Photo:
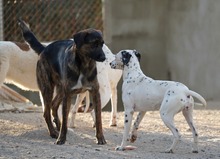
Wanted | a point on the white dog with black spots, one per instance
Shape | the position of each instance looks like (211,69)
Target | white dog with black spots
(141,93)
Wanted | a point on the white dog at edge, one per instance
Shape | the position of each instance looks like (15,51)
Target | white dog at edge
(108,79)
(18,66)
(142,93)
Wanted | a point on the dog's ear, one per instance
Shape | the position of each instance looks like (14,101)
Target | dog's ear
(125,57)
(79,39)
(99,31)
(138,55)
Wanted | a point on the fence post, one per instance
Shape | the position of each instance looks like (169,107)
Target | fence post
(1,20)
(107,21)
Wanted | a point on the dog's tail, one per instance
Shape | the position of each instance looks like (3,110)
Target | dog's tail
(198,96)
(30,38)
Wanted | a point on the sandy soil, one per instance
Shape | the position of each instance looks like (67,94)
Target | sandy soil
(24,135)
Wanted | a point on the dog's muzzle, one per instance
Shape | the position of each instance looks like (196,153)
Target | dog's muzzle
(112,64)
(101,58)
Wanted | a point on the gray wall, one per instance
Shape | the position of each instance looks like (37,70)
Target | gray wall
(193,44)
(179,39)
(138,25)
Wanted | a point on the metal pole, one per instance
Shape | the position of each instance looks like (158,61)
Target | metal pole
(1,20)
(107,21)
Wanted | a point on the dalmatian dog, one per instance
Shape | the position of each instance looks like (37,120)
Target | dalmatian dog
(108,79)
(141,93)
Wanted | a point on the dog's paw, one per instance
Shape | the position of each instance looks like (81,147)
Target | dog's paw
(119,148)
(133,138)
(60,142)
(113,125)
(113,122)
(54,134)
(195,151)
(169,151)
(101,141)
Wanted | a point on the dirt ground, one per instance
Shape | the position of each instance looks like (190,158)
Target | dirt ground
(24,135)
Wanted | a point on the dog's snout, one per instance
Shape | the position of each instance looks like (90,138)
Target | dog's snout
(102,58)
(112,64)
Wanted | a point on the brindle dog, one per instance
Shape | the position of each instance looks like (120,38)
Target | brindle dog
(67,67)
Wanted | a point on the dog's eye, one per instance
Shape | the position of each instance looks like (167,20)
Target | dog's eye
(95,44)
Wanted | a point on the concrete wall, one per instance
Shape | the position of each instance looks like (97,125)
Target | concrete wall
(179,39)
(138,25)
(193,44)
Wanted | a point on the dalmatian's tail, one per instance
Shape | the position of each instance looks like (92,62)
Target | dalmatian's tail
(198,96)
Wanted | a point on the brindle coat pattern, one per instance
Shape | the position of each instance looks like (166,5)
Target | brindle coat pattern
(67,67)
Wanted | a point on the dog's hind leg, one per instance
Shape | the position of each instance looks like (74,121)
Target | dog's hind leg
(168,120)
(46,88)
(47,98)
(113,121)
(136,125)
(65,112)
(188,114)
(55,105)
(167,111)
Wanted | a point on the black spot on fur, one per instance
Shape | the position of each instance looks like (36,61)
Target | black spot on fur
(125,57)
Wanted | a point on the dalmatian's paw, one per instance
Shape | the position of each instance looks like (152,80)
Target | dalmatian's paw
(119,148)
(169,151)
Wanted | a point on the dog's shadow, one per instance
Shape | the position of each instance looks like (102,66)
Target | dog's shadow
(73,137)
(79,134)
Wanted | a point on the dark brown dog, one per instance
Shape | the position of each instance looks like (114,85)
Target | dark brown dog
(67,67)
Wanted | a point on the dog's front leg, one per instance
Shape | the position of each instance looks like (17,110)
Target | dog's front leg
(127,125)
(98,118)
(65,112)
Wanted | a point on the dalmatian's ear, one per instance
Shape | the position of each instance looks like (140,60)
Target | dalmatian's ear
(138,55)
(125,57)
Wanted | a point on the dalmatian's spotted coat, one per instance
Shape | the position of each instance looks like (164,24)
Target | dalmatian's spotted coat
(141,93)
